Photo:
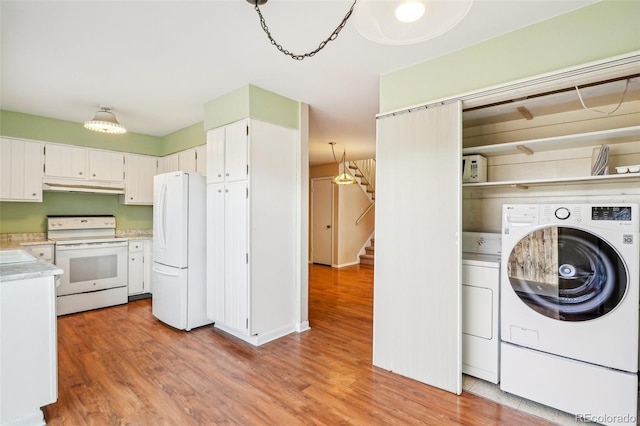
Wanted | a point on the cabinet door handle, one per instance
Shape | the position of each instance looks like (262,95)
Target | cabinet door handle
(80,173)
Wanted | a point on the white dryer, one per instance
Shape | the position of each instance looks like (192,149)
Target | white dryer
(481,305)
(569,308)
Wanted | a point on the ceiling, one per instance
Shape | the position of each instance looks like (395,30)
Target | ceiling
(156,63)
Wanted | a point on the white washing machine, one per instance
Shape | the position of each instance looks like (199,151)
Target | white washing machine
(481,305)
(569,307)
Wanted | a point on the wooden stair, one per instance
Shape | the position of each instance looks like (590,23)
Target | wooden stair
(368,257)
(368,186)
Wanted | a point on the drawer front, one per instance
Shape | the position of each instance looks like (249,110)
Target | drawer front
(136,246)
(44,252)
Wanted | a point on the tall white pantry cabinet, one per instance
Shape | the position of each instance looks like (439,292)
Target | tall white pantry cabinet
(252,175)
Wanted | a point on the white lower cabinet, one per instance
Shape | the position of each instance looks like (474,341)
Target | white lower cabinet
(28,354)
(139,267)
(251,239)
(229,255)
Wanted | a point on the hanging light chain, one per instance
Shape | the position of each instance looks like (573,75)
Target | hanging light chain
(321,46)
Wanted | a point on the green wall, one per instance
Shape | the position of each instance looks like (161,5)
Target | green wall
(182,139)
(602,30)
(26,126)
(252,102)
(32,217)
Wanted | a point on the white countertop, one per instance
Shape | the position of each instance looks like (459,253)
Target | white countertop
(24,270)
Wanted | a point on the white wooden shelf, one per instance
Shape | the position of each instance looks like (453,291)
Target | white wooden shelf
(620,135)
(524,184)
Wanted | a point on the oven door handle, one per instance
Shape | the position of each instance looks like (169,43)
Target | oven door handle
(90,246)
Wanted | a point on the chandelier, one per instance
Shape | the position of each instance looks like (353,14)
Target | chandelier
(344,178)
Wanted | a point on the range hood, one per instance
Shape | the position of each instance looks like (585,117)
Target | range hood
(75,185)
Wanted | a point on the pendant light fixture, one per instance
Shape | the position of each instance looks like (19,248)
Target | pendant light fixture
(105,121)
(344,178)
(399,22)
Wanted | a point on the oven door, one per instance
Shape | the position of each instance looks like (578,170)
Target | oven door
(91,266)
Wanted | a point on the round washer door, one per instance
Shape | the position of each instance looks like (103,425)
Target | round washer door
(567,274)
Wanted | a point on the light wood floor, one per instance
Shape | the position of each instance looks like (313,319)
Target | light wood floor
(120,366)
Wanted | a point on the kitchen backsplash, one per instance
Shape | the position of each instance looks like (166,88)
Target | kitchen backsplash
(27,237)
(32,237)
(134,233)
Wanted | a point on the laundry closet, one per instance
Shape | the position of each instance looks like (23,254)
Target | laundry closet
(539,140)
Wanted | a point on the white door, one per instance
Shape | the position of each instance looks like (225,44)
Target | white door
(136,265)
(417,279)
(215,252)
(236,152)
(169,303)
(21,170)
(187,160)
(65,161)
(170,219)
(321,220)
(215,155)
(201,159)
(140,170)
(168,163)
(106,165)
(236,266)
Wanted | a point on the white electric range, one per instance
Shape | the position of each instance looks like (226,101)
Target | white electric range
(93,259)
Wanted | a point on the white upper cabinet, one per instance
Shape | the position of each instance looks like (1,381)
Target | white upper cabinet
(169,163)
(106,165)
(227,153)
(20,170)
(215,155)
(187,160)
(65,161)
(236,151)
(139,173)
(201,159)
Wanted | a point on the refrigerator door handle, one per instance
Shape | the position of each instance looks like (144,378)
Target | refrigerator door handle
(167,273)
(163,214)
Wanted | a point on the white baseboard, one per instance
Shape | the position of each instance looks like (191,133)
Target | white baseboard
(258,339)
(303,326)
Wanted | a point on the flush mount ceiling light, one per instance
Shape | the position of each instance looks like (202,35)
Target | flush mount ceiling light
(296,56)
(105,122)
(398,22)
(344,178)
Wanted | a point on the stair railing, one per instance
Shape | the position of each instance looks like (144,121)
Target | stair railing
(364,213)
(366,169)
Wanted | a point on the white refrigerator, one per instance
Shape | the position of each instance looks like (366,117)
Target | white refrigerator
(178,278)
